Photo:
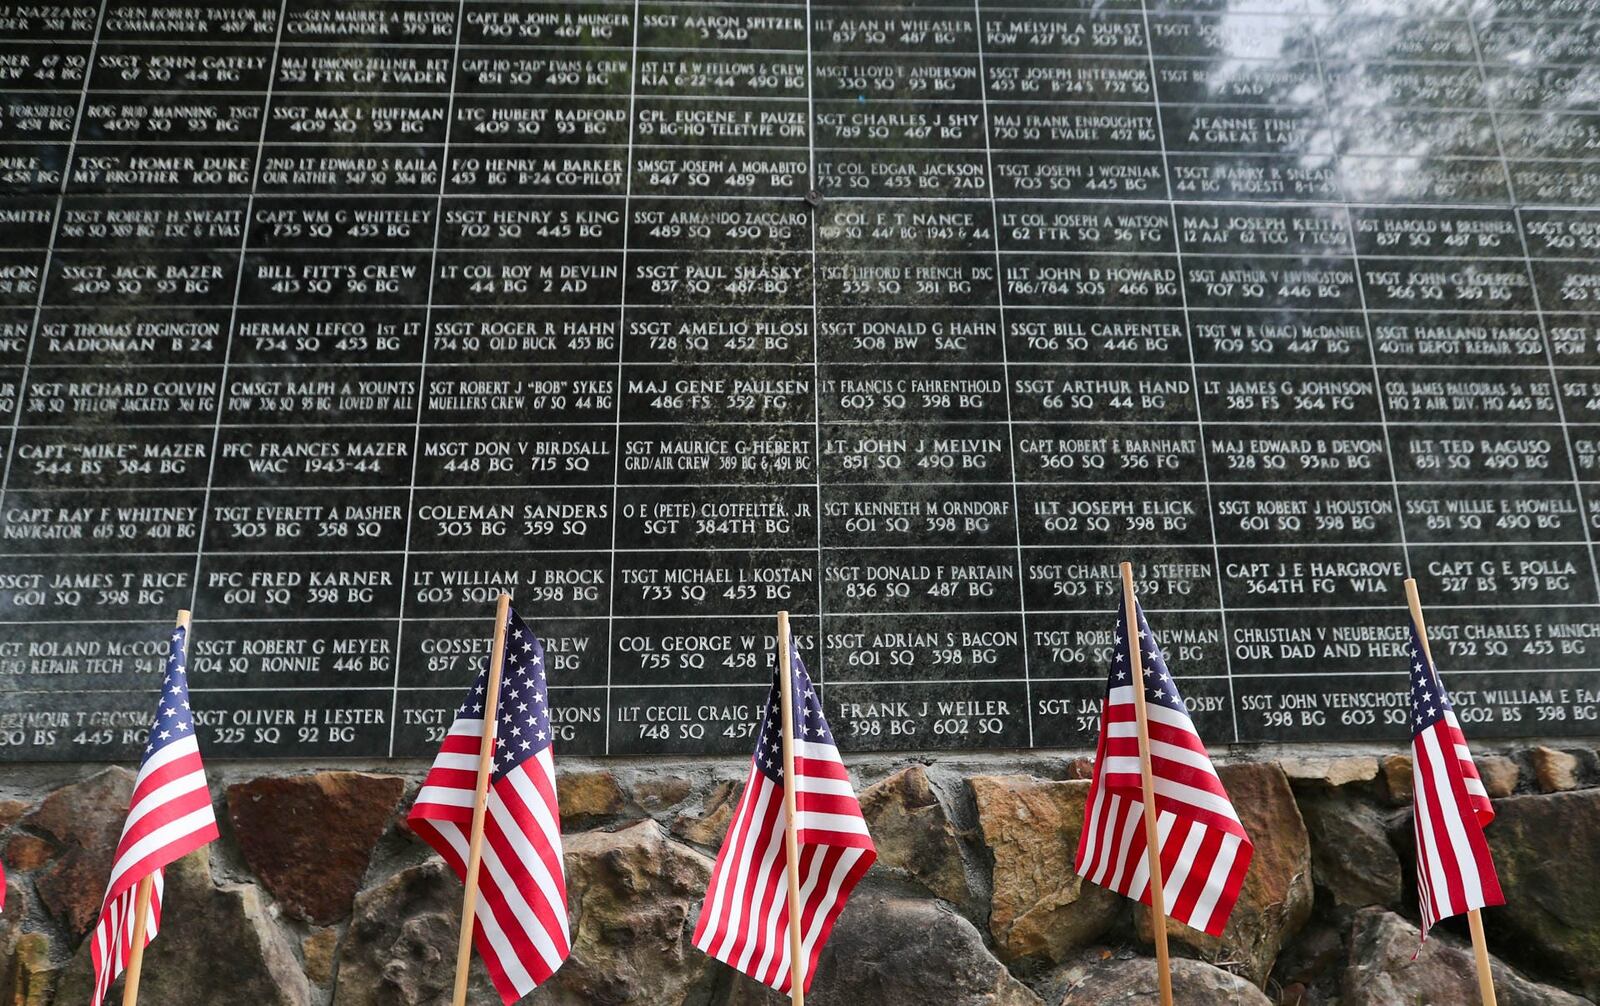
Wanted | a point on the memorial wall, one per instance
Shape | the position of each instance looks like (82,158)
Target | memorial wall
(333,320)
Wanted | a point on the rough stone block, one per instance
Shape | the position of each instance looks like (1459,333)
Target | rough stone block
(1040,907)
(310,838)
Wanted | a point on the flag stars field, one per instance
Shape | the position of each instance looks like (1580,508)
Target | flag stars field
(1455,872)
(520,925)
(1204,850)
(744,921)
(169,816)
(1449,807)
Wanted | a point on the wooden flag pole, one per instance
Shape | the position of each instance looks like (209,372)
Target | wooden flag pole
(1480,945)
(141,912)
(1480,953)
(141,905)
(480,803)
(791,843)
(1152,840)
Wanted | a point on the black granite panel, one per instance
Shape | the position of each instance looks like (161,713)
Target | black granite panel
(333,320)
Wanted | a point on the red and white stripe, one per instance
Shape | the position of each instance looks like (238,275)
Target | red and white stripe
(744,921)
(1204,849)
(1455,872)
(169,817)
(521,929)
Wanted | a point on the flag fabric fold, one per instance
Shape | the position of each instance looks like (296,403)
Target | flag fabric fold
(744,921)
(1455,872)
(520,929)
(169,816)
(1205,852)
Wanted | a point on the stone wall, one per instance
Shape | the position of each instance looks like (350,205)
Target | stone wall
(318,894)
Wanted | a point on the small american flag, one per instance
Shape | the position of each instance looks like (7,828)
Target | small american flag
(745,918)
(521,916)
(1455,872)
(1204,849)
(169,817)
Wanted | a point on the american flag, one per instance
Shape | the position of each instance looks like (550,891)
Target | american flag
(1455,872)
(1204,849)
(521,917)
(169,817)
(745,918)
